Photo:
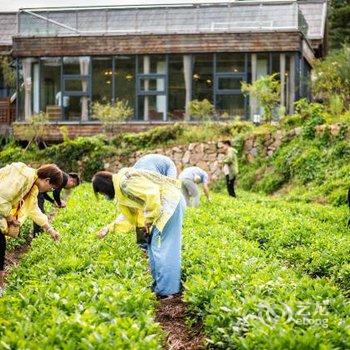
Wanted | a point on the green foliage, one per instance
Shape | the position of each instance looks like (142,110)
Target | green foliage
(8,73)
(336,105)
(154,137)
(292,121)
(65,133)
(314,166)
(309,130)
(241,127)
(10,153)
(86,154)
(82,293)
(202,110)
(266,90)
(331,78)
(260,273)
(35,128)
(308,110)
(89,152)
(270,183)
(339,23)
(111,114)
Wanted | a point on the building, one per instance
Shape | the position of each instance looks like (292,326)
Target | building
(159,58)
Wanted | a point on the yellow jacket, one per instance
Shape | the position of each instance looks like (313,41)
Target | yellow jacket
(144,197)
(17,187)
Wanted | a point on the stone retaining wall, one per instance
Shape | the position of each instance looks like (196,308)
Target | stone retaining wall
(208,155)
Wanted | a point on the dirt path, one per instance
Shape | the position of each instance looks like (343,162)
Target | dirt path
(172,315)
(13,257)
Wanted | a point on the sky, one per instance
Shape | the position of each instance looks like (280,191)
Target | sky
(14,5)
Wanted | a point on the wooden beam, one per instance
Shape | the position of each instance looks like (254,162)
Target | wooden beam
(152,44)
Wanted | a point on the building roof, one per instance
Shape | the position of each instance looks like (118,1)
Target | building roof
(8,27)
(315,14)
(242,16)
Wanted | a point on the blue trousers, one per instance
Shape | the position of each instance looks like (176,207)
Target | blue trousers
(164,254)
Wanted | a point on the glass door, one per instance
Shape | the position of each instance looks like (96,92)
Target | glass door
(76,92)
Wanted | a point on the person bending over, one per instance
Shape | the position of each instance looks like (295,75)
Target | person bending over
(191,177)
(153,203)
(158,163)
(19,189)
(70,181)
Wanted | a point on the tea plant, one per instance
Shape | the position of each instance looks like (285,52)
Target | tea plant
(251,266)
(82,293)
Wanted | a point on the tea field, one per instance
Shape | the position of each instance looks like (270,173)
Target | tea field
(259,273)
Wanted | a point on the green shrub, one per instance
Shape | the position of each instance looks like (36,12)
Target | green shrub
(82,293)
(270,183)
(292,121)
(260,273)
(151,138)
(332,79)
(267,91)
(112,114)
(202,110)
(82,153)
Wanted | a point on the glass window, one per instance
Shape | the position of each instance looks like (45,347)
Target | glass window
(73,107)
(305,79)
(230,62)
(202,77)
(152,84)
(275,63)
(152,64)
(102,76)
(124,79)
(229,83)
(179,85)
(262,66)
(76,85)
(152,107)
(228,106)
(50,87)
(76,65)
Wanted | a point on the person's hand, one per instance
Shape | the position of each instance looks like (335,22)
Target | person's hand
(63,204)
(102,233)
(55,235)
(11,220)
(148,228)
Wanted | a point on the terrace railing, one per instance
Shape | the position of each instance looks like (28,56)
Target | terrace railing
(239,16)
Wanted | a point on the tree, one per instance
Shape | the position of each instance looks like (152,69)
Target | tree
(34,130)
(267,91)
(8,72)
(202,110)
(339,19)
(112,114)
(331,77)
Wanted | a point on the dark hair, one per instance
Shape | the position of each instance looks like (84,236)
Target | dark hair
(227,142)
(76,177)
(51,172)
(102,183)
